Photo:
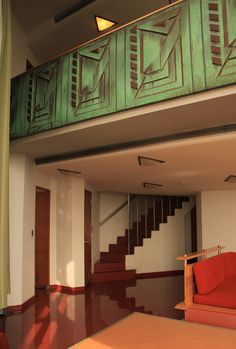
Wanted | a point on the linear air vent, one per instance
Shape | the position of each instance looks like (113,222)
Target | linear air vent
(71,10)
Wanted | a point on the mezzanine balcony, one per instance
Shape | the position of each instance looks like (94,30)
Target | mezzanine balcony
(186,48)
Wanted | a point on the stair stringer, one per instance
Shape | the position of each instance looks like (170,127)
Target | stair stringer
(159,252)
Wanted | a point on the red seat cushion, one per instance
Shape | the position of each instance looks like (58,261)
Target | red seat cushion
(222,296)
(229,264)
(209,273)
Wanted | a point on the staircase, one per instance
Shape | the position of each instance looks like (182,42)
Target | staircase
(112,264)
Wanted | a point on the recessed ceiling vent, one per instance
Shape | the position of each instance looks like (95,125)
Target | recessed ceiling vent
(71,10)
(144,161)
(148,185)
(68,172)
(231,179)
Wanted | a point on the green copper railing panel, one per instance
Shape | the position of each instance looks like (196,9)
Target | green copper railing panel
(219,28)
(158,57)
(19,88)
(43,83)
(186,48)
(91,80)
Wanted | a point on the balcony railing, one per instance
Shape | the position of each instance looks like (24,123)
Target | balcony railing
(185,48)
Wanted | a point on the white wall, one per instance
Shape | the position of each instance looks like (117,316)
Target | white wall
(67,231)
(20,50)
(117,224)
(160,251)
(218,219)
(16,195)
(22,213)
(28,266)
(66,228)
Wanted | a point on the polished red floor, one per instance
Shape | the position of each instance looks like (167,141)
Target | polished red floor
(58,321)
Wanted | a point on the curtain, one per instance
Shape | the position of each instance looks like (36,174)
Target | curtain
(5,73)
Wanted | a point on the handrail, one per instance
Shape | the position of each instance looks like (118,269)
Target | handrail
(116,211)
(76,47)
(203,253)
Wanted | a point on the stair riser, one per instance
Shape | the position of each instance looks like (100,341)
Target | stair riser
(119,275)
(118,249)
(106,267)
(122,240)
(111,257)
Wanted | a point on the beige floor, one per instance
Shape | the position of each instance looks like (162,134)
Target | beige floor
(142,331)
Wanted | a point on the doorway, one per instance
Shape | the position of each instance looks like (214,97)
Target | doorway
(42,231)
(87,236)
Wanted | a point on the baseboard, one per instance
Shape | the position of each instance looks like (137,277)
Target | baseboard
(20,308)
(159,274)
(66,289)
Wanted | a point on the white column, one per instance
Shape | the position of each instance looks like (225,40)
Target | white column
(22,221)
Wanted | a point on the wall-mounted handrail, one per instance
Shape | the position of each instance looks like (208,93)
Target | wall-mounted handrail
(113,213)
(202,253)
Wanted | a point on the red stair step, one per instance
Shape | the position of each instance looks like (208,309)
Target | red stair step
(118,248)
(112,257)
(105,267)
(122,240)
(112,276)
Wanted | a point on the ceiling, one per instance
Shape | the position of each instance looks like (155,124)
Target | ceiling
(190,166)
(47,39)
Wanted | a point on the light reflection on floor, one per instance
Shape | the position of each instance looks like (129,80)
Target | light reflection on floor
(57,321)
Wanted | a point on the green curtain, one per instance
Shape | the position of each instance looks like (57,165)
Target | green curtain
(5,74)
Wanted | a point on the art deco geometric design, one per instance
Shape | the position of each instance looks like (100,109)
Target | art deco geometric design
(158,49)
(14,104)
(91,71)
(220,24)
(183,49)
(42,95)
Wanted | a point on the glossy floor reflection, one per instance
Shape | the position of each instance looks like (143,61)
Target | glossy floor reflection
(57,321)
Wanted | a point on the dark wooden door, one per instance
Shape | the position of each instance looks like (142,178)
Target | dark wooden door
(194,229)
(42,227)
(87,235)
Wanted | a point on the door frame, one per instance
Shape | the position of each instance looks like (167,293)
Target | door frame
(39,188)
(87,281)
